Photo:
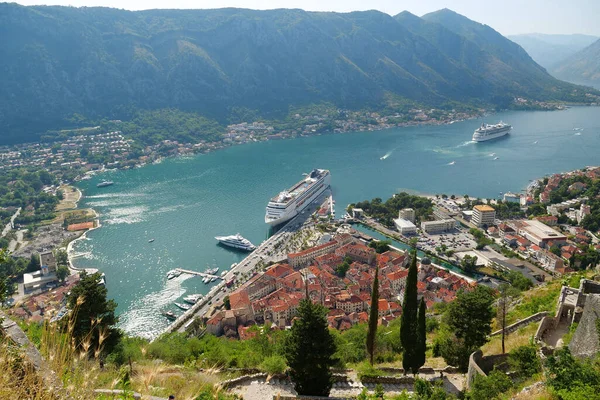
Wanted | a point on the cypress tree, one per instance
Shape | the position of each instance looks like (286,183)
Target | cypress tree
(309,351)
(373,317)
(408,324)
(421,337)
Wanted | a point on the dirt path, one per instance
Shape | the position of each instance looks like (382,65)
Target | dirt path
(10,224)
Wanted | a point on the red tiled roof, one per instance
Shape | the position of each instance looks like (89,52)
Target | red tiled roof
(239,299)
(312,249)
(279,270)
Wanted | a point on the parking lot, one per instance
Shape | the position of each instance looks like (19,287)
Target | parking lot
(456,240)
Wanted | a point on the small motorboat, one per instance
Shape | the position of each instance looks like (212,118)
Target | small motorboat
(151,240)
(170,315)
(173,274)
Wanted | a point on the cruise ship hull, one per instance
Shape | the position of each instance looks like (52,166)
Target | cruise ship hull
(298,205)
(492,136)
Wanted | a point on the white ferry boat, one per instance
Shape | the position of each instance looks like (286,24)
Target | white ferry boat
(287,204)
(488,132)
(236,241)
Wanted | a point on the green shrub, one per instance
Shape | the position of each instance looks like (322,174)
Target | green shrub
(525,361)
(366,370)
(489,387)
(274,365)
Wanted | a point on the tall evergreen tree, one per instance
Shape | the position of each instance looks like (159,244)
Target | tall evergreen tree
(373,317)
(309,351)
(408,321)
(94,317)
(421,337)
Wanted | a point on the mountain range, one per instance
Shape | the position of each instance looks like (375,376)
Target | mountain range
(550,50)
(582,68)
(107,63)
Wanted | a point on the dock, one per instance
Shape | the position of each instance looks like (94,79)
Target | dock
(248,265)
(202,274)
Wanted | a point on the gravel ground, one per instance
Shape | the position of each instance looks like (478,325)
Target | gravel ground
(262,390)
(46,238)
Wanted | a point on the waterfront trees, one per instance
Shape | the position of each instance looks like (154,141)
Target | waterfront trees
(380,246)
(373,317)
(386,211)
(310,349)
(408,323)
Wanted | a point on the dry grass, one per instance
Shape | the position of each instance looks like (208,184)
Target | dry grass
(70,198)
(521,337)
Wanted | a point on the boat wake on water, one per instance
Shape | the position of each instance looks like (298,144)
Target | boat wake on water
(451,163)
(466,143)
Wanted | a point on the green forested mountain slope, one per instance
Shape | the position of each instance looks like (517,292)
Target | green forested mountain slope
(106,63)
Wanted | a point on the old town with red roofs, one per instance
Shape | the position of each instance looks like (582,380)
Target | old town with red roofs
(273,296)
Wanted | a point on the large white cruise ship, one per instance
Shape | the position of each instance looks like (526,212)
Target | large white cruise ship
(236,241)
(287,204)
(489,132)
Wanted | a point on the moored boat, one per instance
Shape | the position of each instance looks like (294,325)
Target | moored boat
(170,315)
(184,307)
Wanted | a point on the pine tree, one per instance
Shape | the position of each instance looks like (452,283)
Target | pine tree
(421,337)
(373,317)
(408,324)
(94,317)
(309,351)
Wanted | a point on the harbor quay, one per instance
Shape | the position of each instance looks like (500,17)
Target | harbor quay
(269,251)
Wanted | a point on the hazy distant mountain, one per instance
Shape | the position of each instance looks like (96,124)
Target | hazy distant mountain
(101,62)
(549,50)
(583,67)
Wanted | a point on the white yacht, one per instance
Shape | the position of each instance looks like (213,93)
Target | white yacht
(287,204)
(236,241)
(183,306)
(192,298)
(488,132)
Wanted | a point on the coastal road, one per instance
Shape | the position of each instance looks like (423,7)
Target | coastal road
(265,253)
(11,223)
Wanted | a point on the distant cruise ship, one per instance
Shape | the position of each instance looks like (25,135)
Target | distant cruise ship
(489,132)
(287,204)
(236,241)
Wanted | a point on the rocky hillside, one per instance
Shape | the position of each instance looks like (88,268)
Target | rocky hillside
(583,67)
(549,50)
(61,63)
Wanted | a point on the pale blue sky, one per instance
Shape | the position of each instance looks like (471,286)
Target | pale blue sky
(506,16)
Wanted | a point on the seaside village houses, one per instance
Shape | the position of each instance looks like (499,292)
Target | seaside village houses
(273,297)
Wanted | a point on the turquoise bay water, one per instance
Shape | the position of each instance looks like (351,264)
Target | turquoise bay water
(183,203)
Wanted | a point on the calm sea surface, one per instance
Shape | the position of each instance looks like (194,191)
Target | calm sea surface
(183,203)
